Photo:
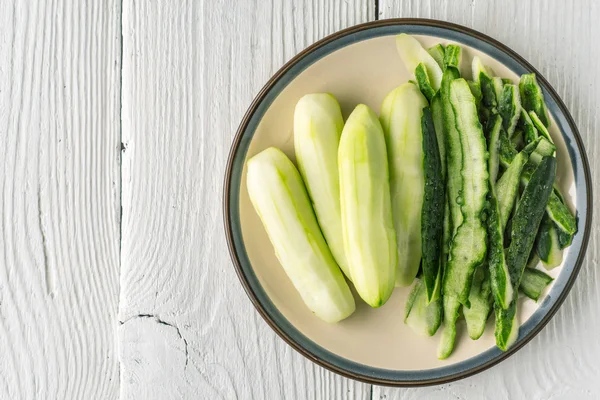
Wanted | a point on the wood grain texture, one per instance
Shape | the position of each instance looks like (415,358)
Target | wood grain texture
(558,38)
(59,180)
(190,70)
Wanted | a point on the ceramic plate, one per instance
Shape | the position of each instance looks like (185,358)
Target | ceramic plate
(361,65)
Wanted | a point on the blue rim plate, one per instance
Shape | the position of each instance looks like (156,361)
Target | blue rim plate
(233,176)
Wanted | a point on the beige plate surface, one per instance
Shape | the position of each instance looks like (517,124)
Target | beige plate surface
(363,72)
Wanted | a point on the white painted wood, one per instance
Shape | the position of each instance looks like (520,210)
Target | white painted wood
(558,38)
(59,181)
(190,70)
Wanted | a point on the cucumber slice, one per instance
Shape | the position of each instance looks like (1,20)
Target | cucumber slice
(368,231)
(423,82)
(534,282)
(318,124)
(547,245)
(412,54)
(509,108)
(525,224)
(401,121)
(422,317)
(481,303)
(532,97)
(451,312)
(469,247)
(281,201)
(452,56)
(433,209)
(437,52)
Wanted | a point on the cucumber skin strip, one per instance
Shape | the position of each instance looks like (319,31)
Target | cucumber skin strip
(423,81)
(469,247)
(432,211)
(507,186)
(526,222)
(424,319)
(534,282)
(451,307)
(532,97)
(453,150)
(437,113)
(481,303)
(501,285)
(509,108)
(452,56)
(437,52)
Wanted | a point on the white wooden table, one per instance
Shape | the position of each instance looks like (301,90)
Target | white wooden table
(116,118)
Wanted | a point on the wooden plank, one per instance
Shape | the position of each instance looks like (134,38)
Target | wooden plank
(60,185)
(558,38)
(190,70)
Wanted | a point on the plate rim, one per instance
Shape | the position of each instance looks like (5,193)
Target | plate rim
(257,101)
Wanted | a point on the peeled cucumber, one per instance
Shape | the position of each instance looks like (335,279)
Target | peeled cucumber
(401,121)
(367,224)
(318,125)
(281,201)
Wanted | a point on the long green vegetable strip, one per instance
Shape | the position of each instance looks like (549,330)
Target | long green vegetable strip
(281,201)
(453,150)
(432,211)
(507,187)
(525,223)
(468,248)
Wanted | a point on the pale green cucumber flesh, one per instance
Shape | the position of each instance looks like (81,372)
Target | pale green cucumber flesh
(282,203)
(318,124)
(367,224)
(401,121)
